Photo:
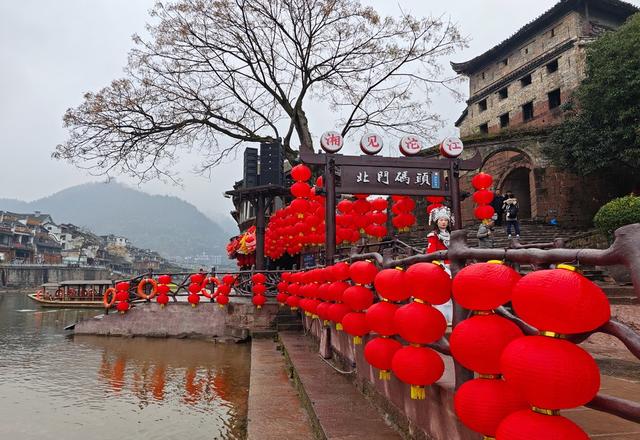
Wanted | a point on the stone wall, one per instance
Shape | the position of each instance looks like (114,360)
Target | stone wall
(35,275)
(432,418)
(208,320)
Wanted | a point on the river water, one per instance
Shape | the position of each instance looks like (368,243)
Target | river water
(57,386)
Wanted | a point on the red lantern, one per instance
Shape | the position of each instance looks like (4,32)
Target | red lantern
(478,342)
(379,353)
(282,286)
(193,299)
(482,404)
(224,289)
(258,278)
(162,299)
(164,279)
(358,298)
(323,311)
(550,373)
(293,302)
(345,206)
(482,197)
(428,282)
(484,286)
(197,278)
(419,323)
(223,300)
(335,290)
(380,318)
(528,425)
(340,271)
(418,367)
(435,199)
(122,295)
(123,285)
(482,181)
(379,204)
(300,173)
(355,324)
(163,289)
(259,289)
(561,301)
(281,297)
(363,272)
(122,306)
(391,284)
(195,287)
(337,312)
(483,212)
(259,301)
(228,279)
(300,189)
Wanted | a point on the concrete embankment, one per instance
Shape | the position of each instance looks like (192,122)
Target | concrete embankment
(238,320)
(31,275)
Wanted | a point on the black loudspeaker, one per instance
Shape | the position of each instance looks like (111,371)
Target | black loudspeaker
(271,164)
(250,173)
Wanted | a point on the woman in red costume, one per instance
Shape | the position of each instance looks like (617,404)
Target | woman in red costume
(438,239)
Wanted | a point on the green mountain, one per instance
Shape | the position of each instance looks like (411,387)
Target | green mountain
(165,224)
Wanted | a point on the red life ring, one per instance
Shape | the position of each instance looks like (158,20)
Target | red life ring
(105,298)
(39,294)
(206,282)
(143,283)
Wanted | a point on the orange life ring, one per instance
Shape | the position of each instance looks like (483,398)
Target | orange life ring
(206,282)
(143,283)
(105,297)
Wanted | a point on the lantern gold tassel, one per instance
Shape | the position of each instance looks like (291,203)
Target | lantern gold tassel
(485,437)
(162,306)
(338,326)
(384,375)
(418,392)
(193,305)
(357,340)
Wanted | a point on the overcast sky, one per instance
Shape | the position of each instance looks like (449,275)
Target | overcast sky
(53,51)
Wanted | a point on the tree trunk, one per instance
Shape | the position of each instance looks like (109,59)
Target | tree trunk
(302,128)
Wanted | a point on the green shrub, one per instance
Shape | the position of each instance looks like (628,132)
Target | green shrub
(617,213)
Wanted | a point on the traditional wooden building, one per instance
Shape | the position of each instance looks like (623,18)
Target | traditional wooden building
(516,92)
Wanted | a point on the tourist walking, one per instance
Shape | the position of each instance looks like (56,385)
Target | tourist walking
(510,208)
(485,233)
(496,204)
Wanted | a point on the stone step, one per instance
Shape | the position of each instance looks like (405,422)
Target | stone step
(275,411)
(337,410)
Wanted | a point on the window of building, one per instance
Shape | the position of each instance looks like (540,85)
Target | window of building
(527,111)
(504,62)
(525,81)
(552,33)
(484,128)
(552,66)
(503,93)
(483,75)
(554,99)
(482,105)
(504,120)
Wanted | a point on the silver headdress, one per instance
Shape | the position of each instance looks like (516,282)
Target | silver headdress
(441,212)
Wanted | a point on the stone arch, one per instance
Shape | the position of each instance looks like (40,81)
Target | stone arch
(513,167)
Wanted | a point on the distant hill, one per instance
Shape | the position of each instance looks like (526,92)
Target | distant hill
(165,224)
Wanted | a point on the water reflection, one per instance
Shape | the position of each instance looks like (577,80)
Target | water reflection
(102,388)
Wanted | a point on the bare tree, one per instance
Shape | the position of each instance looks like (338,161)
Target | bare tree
(243,70)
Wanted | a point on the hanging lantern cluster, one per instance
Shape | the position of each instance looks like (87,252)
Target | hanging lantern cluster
(402,209)
(301,223)
(122,297)
(258,289)
(347,231)
(195,288)
(419,323)
(434,202)
(224,290)
(483,196)
(477,344)
(550,372)
(163,290)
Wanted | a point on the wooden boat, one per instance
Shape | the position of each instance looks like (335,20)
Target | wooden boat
(74,293)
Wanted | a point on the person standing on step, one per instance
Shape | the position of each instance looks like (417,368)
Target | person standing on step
(485,231)
(510,208)
(496,204)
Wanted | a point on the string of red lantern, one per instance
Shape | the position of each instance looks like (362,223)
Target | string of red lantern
(483,196)
(478,342)
(258,289)
(402,210)
(163,290)
(224,290)
(550,372)
(122,297)
(195,288)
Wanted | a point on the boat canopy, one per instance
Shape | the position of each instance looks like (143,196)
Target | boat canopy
(50,285)
(86,283)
